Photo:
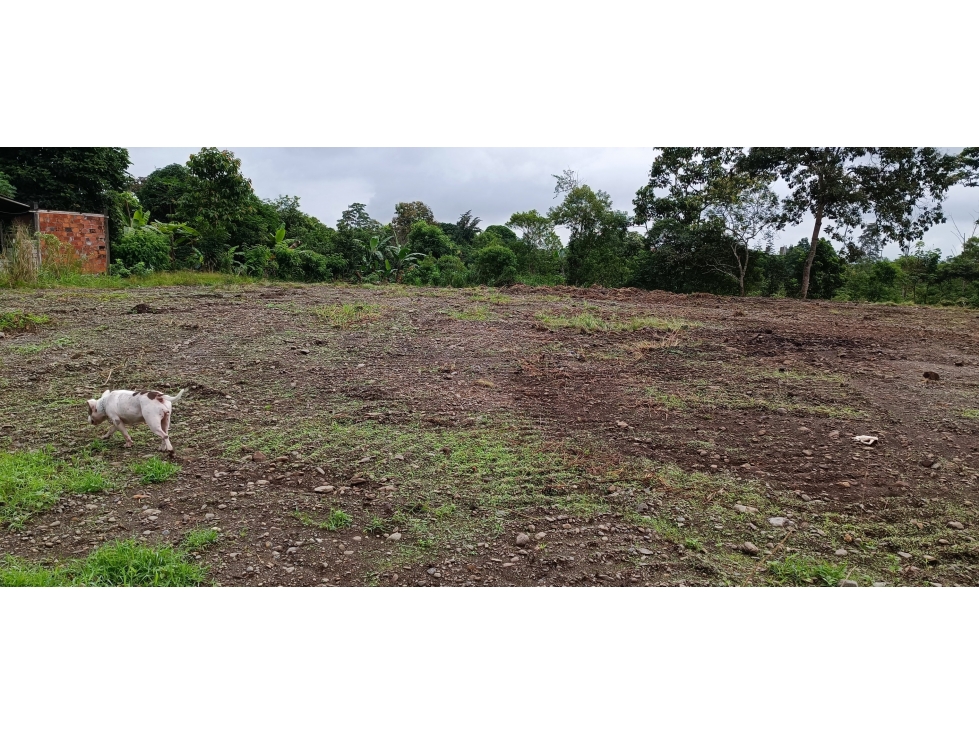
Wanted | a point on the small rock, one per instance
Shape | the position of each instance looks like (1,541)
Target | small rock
(905,556)
(259,456)
(779,521)
(848,583)
(750,548)
(841,552)
(781,411)
(834,434)
(522,539)
(645,551)
(933,376)
(262,482)
(956,525)
(540,536)
(209,516)
(394,536)
(323,488)
(304,351)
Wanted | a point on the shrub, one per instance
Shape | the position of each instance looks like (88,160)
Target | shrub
(145,246)
(306,265)
(452,271)
(496,265)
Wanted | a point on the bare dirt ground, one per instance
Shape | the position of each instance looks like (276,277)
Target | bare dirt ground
(524,436)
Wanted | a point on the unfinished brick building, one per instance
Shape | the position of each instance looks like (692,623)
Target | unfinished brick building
(85,233)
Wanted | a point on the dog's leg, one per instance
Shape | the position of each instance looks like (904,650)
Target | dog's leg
(120,426)
(157,424)
(108,434)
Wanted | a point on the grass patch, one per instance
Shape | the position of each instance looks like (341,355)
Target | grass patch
(345,315)
(798,570)
(337,520)
(971,413)
(453,485)
(118,563)
(33,481)
(476,313)
(200,538)
(15,321)
(589,322)
(154,470)
(496,298)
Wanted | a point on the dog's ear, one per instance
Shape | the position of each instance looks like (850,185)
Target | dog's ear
(91,406)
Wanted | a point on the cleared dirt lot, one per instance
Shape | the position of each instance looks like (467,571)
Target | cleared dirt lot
(628,437)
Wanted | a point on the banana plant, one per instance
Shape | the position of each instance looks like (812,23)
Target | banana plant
(279,238)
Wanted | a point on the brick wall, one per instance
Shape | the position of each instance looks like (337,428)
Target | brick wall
(85,232)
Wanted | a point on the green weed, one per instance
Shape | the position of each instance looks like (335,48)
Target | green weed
(14,321)
(345,315)
(797,570)
(200,538)
(118,563)
(337,520)
(33,481)
(154,470)
(477,313)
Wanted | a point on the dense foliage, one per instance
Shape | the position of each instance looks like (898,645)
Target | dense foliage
(704,222)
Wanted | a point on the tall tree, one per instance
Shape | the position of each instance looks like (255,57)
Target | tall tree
(7,189)
(161,191)
(747,211)
(902,187)
(406,213)
(71,179)
(599,248)
(690,203)
(218,192)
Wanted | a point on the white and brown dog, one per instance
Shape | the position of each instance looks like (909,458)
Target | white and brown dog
(129,408)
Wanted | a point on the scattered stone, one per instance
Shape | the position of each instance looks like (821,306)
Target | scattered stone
(905,556)
(262,482)
(781,411)
(751,548)
(540,536)
(746,509)
(323,488)
(779,521)
(956,525)
(394,536)
(935,584)
(848,583)
(259,456)
(645,551)
(302,351)
(834,434)
(209,516)
(881,584)
(841,552)
(933,376)
(522,539)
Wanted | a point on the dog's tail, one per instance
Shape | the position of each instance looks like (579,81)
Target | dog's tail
(177,397)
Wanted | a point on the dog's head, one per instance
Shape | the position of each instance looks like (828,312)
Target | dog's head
(95,414)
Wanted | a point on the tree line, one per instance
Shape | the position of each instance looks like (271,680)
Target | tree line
(704,222)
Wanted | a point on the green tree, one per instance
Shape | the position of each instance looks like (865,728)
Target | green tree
(161,191)
(429,239)
(599,250)
(7,189)
(689,206)
(496,265)
(902,187)
(70,179)
(406,214)
(218,193)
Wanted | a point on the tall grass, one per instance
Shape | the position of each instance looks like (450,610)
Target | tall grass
(20,262)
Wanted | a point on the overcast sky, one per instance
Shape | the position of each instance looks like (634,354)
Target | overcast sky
(492,182)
